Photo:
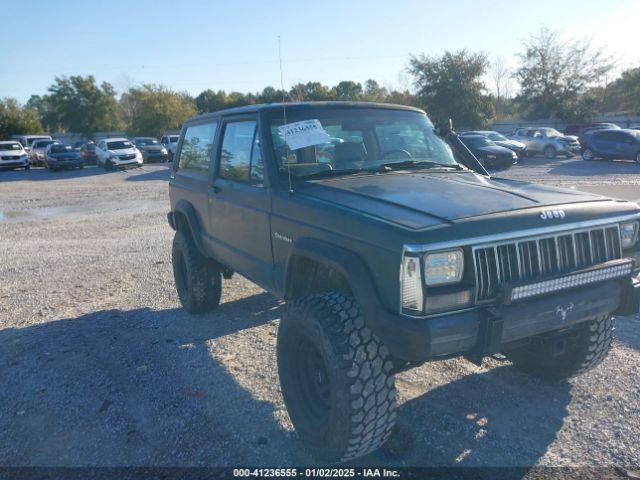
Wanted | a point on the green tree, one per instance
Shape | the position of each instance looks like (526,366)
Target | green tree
(451,86)
(554,74)
(15,118)
(153,109)
(347,90)
(83,106)
(373,92)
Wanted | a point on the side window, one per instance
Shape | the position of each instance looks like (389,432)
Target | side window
(196,147)
(240,157)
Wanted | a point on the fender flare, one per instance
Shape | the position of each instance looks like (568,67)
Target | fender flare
(185,208)
(348,264)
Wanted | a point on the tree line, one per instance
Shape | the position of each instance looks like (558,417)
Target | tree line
(554,78)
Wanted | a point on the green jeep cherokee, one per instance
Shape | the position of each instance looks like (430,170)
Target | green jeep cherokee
(391,246)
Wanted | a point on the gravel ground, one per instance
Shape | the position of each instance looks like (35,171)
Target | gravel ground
(100,366)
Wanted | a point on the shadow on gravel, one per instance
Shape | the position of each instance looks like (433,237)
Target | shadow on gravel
(139,387)
(497,418)
(594,168)
(628,331)
(43,174)
(160,174)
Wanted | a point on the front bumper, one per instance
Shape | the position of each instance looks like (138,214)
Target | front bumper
(64,163)
(155,156)
(14,163)
(483,331)
(127,163)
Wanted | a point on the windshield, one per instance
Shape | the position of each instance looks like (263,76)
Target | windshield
(10,146)
(496,137)
(354,139)
(552,132)
(119,145)
(147,141)
(60,149)
(42,143)
(31,141)
(174,138)
(477,141)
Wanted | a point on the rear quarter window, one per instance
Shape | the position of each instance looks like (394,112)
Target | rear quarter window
(197,147)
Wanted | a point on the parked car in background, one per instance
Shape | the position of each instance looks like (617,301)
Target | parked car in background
(547,141)
(170,142)
(37,153)
(88,153)
(152,150)
(623,144)
(59,156)
(492,156)
(27,140)
(500,140)
(117,152)
(578,128)
(13,155)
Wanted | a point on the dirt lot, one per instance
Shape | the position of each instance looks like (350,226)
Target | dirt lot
(100,365)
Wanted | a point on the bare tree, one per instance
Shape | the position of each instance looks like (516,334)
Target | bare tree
(501,75)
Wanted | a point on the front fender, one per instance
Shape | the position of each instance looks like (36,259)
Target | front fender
(188,212)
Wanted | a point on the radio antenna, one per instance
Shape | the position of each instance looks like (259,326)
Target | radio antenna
(284,114)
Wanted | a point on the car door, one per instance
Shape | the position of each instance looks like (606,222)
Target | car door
(240,202)
(623,146)
(603,143)
(192,171)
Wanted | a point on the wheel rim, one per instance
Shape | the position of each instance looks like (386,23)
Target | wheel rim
(587,154)
(549,152)
(313,384)
(638,158)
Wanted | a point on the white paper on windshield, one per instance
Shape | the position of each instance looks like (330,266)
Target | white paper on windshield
(303,134)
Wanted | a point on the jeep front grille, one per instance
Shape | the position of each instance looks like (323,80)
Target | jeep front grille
(529,259)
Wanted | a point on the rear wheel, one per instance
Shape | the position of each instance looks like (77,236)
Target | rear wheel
(335,376)
(198,282)
(638,158)
(587,154)
(557,357)
(550,152)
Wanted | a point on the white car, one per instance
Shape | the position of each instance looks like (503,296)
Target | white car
(13,155)
(37,152)
(170,142)
(27,140)
(117,152)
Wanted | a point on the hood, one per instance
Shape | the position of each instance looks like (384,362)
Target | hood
(124,151)
(568,138)
(420,199)
(510,143)
(151,148)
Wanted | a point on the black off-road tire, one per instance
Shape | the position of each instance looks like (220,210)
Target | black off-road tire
(198,282)
(352,411)
(585,348)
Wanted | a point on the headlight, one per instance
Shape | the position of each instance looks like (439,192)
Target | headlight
(443,267)
(491,157)
(163,151)
(114,157)
(628,234)
(411,284)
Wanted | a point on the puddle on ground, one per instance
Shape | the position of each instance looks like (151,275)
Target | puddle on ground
(43,213)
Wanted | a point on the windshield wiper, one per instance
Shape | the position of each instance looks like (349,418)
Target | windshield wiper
(421,163)
(344,171)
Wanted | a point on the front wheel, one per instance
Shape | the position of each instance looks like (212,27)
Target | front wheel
(28,167)
(198,282)
(336,377)
(587,155)
(558,357)
(638,158)
(550,152)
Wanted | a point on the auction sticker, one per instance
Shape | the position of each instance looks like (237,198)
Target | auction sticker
(303,134)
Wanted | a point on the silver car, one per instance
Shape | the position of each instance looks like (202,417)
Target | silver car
(548,141)
(37,153)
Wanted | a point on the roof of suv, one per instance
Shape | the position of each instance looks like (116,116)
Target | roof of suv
(294,105)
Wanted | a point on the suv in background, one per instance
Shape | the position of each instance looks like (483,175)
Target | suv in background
(170,142)
(117,152)
(37,153)
(391,246)
(620,144)
(151,149)
(547,141)
(13,155)
(578,129)
(27,140)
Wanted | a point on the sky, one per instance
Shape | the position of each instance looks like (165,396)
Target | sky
(192,45)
